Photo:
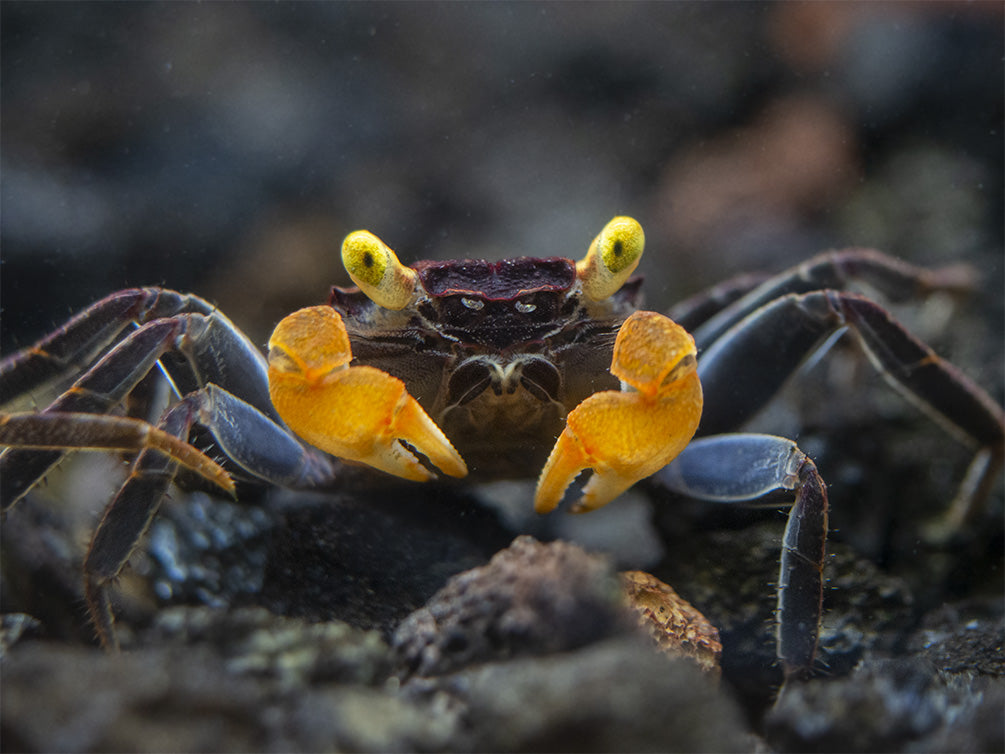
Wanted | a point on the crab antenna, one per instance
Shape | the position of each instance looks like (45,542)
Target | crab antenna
(612,257)
(376,270)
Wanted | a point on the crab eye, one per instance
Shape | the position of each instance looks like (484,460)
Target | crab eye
(376,270)
(613,256)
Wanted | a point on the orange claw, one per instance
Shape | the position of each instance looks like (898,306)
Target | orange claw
(357,413)
(626,436)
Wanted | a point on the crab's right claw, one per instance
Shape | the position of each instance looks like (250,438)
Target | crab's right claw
(357,413)
(626,436)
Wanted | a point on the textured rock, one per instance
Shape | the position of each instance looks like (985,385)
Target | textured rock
(616,695)
(531,598)
(291,651)
(890,705)
(209,680)
(963,638)
(674,624)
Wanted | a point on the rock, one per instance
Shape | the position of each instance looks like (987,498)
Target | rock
(963,638)
(253,641)
(674,624)
(66,698)
(730,576)
(616,695)
(211,680)
(531,598)
(889,705)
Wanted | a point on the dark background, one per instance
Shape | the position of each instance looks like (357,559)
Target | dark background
(226,149)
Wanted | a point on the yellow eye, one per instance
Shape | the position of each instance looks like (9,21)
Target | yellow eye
(612,257)
(376,270)
(365,257)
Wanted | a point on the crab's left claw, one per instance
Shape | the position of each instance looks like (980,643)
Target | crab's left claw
(357,413)
(626,436)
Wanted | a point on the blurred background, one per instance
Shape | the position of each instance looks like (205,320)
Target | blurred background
(226,149)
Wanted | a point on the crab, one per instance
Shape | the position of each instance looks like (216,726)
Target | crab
(488,370)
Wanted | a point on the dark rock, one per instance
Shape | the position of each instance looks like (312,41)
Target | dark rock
(208,697)
(42,571)
(865,609)
(64,698)
(14,627)
(730,575)
(888,705)
(531,598)
(615,695)
(208,551)
(963,638)
(297,654)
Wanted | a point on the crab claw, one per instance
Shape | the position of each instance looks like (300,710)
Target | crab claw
(626,436)
(357,413)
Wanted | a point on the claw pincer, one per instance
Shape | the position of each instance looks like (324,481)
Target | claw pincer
(629,435)
(357,413)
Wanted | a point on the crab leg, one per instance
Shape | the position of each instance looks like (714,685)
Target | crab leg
(127,517)
(794,326)
(99,432)
(357,413)
(695,310)
(626,436)
(895,279)
(87,334)
(216,353)
(740,468)
(245,435)
(98,391)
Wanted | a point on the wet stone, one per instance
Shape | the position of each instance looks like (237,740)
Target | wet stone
(963,638)
(619,694)
(890,705)
(204,550)
(530,599)
(194,697)
(294,652)
(42,571)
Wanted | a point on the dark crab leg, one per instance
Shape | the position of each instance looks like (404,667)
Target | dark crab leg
(100,432)
(695,310)
(243,433)
(215,353)
(736,370)
(98,391)
(740,468)
(76,343)
(895,279)
(127,517)
(256,443)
